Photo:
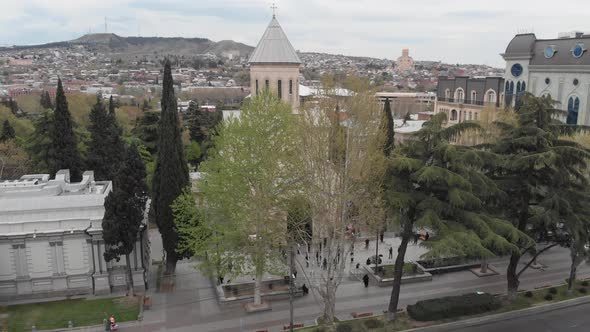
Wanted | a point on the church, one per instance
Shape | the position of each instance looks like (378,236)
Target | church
(274,66)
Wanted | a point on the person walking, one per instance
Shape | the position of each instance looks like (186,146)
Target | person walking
(366,280)
(390,252)
(325,264)
(306,260)
(381,236)
(366,243)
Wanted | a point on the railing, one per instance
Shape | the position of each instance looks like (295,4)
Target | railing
(469,102)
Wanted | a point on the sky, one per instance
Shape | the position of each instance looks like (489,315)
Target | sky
(452,31)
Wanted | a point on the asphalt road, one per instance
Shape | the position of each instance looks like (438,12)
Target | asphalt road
(572,319)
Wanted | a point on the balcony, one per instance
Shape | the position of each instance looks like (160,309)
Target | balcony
(468,102)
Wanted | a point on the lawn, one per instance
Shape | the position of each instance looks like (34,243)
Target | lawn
(53,315)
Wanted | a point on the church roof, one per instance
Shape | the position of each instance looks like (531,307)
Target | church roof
(274,47)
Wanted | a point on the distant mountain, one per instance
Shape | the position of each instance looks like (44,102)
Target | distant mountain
(142,46)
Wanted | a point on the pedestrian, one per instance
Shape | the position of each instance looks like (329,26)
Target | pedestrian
(304,289)
(358,265)
(426,237)
(381,236)
(325,264)
(220,279)
(317,257)
(298,252)
(366,243)
(416,237)
(351,258)
(366,280)
(308,247)
(390,252)
(306,260)
(325,241)
(368,261)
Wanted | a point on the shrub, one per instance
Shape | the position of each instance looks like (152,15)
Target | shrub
(553,290)
(528,294)
(373,323)
(582,290)
(548,297)
(344,328)
(453,306)
(585,283)
(320,329)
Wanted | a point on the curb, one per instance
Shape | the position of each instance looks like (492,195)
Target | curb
(503,316)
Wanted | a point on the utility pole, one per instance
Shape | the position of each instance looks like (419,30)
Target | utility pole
(291,282)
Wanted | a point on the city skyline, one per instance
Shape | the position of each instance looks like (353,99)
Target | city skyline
(461,32)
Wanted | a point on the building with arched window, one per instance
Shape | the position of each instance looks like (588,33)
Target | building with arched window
(558,67)
(483,93)
(274,65)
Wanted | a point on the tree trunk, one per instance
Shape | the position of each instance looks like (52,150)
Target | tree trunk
(512,277)
(329,306)
(377,254)
(170,263)
(573,268)
(484,266)
(257,285)
(130,290)
(397,276)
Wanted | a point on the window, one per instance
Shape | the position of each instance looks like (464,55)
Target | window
(20,260)
(491,96)
(470,116)
(266,84)
(447,93)
(57,257)
(473,97)
(476,116)
(290,87)
(523,87)
(518,88)
(280,89)
(507,89)
(459,95)
(573,106)
(454,115)
(511,87)
(257,87)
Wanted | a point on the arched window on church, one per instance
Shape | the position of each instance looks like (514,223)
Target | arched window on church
(290,87)
(453,115)
(459,95)
(257,87)
(523,87)
(518,88)
(267,85)
(280,89)
(573,106)
(491,96)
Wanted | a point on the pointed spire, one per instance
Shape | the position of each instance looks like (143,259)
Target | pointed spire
(274,47)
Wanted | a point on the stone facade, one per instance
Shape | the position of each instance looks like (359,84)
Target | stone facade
(51,239)
(405,62)
(280,79)
(556,67)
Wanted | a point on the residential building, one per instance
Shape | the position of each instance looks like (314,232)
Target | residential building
(464,98)
(51,239)
(274,66)
(559,68)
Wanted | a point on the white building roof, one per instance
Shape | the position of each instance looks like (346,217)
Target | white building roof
(274,47)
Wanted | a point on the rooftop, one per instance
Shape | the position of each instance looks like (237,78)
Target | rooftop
(274,47)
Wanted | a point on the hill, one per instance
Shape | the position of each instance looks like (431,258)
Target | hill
(144,46)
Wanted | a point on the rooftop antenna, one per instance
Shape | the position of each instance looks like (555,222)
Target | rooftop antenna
(274,8)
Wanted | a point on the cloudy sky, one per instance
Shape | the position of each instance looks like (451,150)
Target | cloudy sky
(454,31)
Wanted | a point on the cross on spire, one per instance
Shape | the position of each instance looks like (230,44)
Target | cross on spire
(273,7)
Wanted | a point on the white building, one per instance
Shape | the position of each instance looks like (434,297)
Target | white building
(556,67)
(51,239)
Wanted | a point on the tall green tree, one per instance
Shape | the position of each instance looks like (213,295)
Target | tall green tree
(40,145)
(388,127)
(106,146)
(539,170)
(147,129)
(45,101)
(7,131)
(171,173)
(64,140)
(248,181)
(441,186)
(202,127)
(125,211)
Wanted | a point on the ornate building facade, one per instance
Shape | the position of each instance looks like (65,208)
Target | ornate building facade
(404,62)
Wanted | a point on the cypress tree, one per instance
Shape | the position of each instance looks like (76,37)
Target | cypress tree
(64,140)
(106,146)
(124,210)
(388,128)
(147,129)
(171,173)
(202,127)
(46,100)
(40,145)
(7,131)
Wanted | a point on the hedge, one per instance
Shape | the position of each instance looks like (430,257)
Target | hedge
(453,306)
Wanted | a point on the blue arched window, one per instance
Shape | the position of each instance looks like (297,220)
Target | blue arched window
(511,87)
(573,106)
(523,87)
(507,90)
(518,88)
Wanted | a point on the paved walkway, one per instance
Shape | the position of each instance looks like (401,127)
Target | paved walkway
(194,307)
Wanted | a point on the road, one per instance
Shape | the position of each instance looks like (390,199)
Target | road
(572,319)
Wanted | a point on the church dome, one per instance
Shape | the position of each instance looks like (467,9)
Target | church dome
(274,47)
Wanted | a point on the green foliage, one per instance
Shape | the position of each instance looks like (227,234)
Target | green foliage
(548,297)
(373,323)
(193,153)
(64,141)
(40,146)
(388,125)
(453,306)
(7,132)
(553,290)
(528,294)
(45,100)
(171,172)
(23,127)
(202,127)
(125,207)
(192,232)
(147,129)
(105,146)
